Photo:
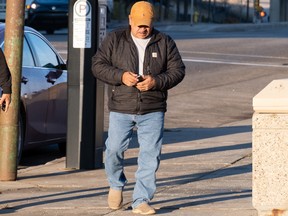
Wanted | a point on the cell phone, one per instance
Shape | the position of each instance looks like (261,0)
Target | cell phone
(3,106)
(140,78)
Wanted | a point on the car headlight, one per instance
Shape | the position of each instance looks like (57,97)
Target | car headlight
(32,6)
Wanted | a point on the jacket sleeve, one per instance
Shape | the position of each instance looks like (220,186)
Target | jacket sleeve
(175,69)
(5,76)
(102,67)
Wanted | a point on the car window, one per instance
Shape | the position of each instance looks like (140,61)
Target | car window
(45,56)
(27,58)
(27,55)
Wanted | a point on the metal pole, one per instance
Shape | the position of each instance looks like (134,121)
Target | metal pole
(209,11)
(160,10)
(192,11)
(9,121)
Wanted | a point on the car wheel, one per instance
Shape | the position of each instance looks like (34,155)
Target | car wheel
(62,148)
(50,31)
(20,143)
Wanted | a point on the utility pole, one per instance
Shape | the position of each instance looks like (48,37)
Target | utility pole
(247,11)
(160,10)
(209,11)
(192,12)
(9,121)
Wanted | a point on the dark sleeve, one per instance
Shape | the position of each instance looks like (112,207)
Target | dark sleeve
(102,63)
(5,76)
(175,71)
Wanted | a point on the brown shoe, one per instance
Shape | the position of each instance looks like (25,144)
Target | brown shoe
(115,199)
(144,209)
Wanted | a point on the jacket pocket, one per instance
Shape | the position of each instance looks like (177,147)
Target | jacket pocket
(152,97)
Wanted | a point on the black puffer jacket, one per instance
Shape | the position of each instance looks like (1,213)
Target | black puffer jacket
(5,76)
(118,54)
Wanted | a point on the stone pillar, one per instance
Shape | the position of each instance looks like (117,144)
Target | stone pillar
(270,150)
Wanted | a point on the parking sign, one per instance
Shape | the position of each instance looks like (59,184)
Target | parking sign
(82,18)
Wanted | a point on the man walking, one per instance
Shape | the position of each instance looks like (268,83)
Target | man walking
(141,64)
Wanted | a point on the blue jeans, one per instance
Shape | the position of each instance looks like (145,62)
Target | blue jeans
(150,134)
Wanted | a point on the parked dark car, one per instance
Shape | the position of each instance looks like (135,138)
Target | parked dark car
(43,109)
(48,15)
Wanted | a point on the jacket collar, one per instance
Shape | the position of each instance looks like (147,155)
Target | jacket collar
(155,35)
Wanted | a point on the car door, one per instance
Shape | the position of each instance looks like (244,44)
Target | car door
(34,94)
(56,79)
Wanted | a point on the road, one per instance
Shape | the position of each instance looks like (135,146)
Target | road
(225,69)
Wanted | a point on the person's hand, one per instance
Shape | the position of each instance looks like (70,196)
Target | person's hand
(129,78)
(147,83)
(5,101)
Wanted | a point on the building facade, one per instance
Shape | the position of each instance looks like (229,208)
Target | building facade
(216,11)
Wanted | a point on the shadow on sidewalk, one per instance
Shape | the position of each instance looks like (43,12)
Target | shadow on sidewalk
(170,205)
(55,197)
(214,174)
(57,173)
(180,154)
(178,135)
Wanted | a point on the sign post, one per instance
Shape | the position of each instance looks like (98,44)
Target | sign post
(84,130)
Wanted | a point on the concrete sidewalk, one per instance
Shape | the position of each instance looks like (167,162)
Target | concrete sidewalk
(204,171)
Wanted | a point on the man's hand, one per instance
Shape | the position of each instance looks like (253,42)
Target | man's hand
(5,101)
(147,83)
(129,78)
